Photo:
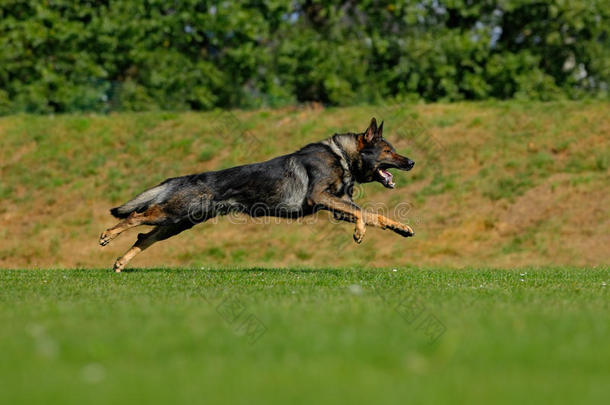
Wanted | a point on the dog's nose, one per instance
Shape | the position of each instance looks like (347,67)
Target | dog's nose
(410,164)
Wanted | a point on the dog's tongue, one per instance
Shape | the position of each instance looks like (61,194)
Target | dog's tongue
(387,178)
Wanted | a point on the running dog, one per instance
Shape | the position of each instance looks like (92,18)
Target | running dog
(319,176)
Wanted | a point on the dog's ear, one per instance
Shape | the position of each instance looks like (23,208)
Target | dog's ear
(380,130)
(371,131)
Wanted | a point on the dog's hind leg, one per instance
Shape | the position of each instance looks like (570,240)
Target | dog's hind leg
(145,240)
(148,217)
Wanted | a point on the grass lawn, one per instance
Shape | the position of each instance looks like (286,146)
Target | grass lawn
(305,336)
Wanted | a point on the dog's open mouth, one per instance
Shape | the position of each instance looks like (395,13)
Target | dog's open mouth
(386,178)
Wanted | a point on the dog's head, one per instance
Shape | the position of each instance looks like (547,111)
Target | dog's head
(378,155)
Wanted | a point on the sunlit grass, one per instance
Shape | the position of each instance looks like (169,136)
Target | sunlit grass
(316,335)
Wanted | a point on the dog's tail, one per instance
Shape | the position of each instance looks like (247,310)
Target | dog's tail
(149,197)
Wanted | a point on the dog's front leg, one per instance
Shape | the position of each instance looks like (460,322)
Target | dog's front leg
(379,221)
(359,230)
(350,211)
(344,210)
(387,223)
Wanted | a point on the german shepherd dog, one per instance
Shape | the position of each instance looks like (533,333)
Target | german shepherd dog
(320,176)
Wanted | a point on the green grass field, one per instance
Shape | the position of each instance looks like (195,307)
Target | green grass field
(300,336)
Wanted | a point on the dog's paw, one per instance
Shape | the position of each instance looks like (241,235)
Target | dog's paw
(105,238)
(359,235)
(119,265)
(404,230)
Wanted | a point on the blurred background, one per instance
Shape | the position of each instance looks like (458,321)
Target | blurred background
(503,104)
(87,55)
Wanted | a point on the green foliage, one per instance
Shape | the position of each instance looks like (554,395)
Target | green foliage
(61,56)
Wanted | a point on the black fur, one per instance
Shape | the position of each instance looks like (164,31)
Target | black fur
(281,187)
(318,176)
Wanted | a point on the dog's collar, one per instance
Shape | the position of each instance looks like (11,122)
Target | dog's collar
(343,160)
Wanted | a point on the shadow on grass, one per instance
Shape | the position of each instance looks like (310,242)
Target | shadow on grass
(181,270)
(245,270)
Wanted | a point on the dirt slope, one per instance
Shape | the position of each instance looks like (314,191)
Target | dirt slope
(495,184)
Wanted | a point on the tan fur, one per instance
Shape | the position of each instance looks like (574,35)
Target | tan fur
(353,213)
(145,240)
(151,215)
